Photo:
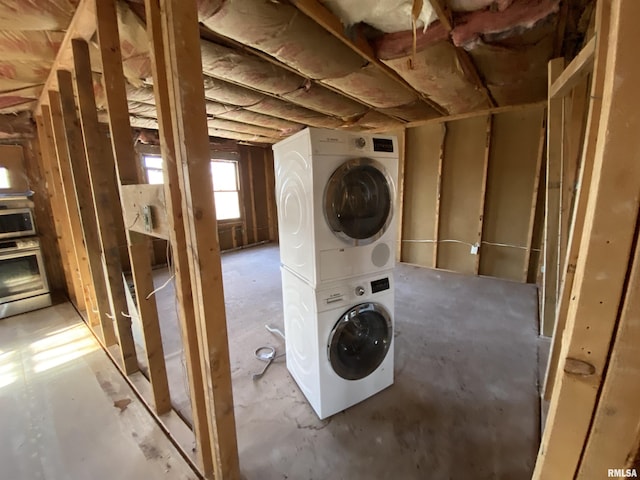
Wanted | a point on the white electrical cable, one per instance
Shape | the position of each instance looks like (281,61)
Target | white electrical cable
(473,244)
(160,287)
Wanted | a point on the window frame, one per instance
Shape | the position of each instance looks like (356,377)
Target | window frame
(239,220)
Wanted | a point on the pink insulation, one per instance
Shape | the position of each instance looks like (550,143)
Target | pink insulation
(522,14)
(374,87)
(243,128)
(25,60)
(436,71)
(278,108)
(39,15)
(510,44)
(473,5)
(253,118)
(244,69)
(283,32)
(515,67)
(225,92)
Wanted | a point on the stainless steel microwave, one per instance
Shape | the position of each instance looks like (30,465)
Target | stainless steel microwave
(16,222)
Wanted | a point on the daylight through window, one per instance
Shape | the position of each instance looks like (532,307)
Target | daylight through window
(224,174)
(226,189)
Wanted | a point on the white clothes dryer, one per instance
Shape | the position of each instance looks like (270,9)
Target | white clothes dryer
(336,196)
(339,339)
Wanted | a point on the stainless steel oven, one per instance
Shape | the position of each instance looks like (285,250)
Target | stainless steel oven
(23,281)
(16,222)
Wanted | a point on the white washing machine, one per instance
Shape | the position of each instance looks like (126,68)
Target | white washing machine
(336,193)
(339,339)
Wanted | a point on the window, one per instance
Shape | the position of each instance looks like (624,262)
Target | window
(226,189)
(153,169)
(4,178)
(224,174)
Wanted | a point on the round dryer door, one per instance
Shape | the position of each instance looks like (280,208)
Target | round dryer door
(358,201)
(360,340)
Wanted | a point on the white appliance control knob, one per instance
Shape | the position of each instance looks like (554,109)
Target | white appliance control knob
(360,142)
(359,291)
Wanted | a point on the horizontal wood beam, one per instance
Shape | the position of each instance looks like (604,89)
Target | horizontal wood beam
(477,113)
(83,25)
(581,65)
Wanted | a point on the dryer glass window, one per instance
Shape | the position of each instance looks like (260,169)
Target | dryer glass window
(359,201)
(360,340)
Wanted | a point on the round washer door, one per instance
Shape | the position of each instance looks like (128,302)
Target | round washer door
(360,341)
(358,201)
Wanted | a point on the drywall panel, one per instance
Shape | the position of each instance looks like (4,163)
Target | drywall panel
(513,161)
(423,147)
(462,181)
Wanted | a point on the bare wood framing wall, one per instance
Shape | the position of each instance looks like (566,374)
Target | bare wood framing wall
(474,177)
(258,222)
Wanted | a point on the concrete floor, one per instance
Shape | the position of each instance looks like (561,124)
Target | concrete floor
(66,413)
(464,404)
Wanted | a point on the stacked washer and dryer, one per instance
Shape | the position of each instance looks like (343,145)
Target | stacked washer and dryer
(335,195)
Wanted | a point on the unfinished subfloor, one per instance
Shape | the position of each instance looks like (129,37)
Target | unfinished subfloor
(464,404)
(67,413)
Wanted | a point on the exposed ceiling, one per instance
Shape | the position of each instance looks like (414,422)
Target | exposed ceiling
(270,69)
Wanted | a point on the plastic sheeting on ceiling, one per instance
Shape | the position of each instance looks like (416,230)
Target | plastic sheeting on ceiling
(384,15)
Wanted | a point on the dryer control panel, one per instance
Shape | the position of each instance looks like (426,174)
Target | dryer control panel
(354,290)
(335,142)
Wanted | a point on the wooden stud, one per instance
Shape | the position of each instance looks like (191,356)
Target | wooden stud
(603,261)
(573,122)
(252,196)
(534,199)
(483,193)
(101,177)
(579,67)
(85,205)
(173,200)
(53,117)
(603,12)
(272,216)
(148,314)
(552,205)
(436,226)
(614,434)
(47,154)
(123,161)
(180,22)
(399,209)
(561,29)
